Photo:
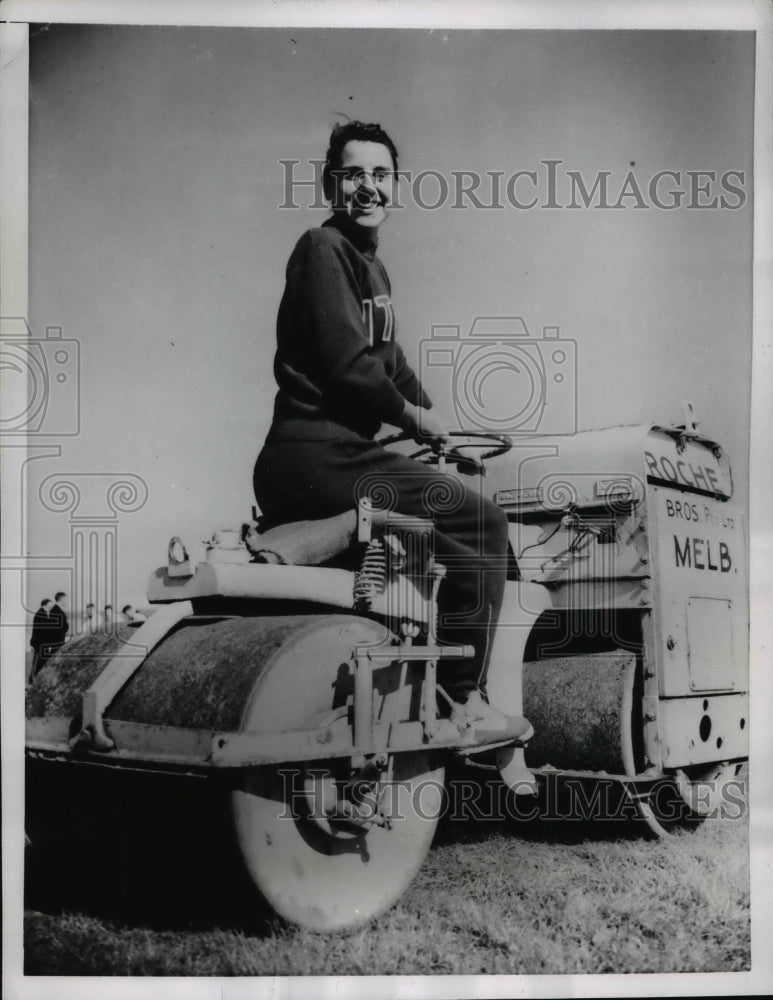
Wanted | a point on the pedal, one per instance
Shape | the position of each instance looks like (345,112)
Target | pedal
(518,733)
(479,740)
(476,748)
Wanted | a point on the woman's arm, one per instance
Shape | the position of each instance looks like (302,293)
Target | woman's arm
(406,381)
(424,424)
(331,311)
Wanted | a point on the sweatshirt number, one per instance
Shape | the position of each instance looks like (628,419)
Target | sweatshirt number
(380,302)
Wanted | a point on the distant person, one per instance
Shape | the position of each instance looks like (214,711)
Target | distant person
(90,618)
(59,625)
(132,617)
(107,616)
(40,636)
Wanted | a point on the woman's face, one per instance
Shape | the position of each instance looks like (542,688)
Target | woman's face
(364,183)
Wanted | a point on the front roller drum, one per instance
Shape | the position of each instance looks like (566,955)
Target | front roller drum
(588,717)
(581,709)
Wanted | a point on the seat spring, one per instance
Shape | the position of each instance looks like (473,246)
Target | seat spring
(370,580)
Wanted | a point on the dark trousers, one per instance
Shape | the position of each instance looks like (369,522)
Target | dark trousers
(43,654)
(297,480)
(35,665)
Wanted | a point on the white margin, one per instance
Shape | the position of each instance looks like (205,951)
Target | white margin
(729,15)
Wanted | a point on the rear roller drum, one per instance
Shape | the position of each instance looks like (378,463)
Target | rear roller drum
(326,844)
(322,867)
(328,849)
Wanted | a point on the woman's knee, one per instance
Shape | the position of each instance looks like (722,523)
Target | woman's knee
(494,528)
(495,519)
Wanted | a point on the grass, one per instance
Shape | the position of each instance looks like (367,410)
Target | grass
(490,898)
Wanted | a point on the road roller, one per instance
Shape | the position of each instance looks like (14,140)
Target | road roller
(300,665)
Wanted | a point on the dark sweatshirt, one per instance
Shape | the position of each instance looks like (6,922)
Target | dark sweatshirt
(338,365)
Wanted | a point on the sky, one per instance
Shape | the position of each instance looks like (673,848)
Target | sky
(158,244)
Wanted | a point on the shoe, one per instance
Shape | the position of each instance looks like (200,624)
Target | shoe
(490,726)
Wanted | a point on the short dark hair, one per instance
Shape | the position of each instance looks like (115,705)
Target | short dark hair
(108,607)
(89,605)
(341,134)
(125,608)
(60,594)
(46,600)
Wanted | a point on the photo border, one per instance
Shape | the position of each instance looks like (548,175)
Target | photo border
(751,15)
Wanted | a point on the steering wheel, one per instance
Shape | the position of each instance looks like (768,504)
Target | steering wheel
(441,453)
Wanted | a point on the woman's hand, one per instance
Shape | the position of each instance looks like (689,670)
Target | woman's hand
(425,425)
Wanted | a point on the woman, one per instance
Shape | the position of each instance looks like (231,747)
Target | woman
(341,374)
